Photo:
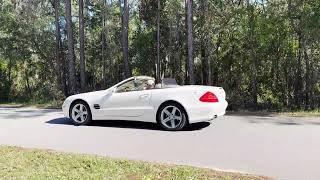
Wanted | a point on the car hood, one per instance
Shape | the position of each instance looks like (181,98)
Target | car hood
(90,97)
(90,94)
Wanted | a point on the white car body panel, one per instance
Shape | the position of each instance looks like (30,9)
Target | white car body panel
(143,105)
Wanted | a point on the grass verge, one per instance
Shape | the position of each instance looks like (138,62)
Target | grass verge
(298,113)
(55,104)
(19,163)
(314,113)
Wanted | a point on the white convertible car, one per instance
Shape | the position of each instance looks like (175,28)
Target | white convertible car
(139,99)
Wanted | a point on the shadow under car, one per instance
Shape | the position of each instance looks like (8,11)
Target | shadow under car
(128,124)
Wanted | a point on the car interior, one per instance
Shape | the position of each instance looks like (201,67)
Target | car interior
(140,84)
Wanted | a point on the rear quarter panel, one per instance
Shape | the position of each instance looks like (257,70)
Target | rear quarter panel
(188,97)
(159,96)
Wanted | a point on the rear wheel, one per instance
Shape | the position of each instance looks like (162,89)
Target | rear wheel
(80,113)
(172,117)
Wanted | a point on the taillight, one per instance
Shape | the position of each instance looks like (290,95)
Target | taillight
(209,97)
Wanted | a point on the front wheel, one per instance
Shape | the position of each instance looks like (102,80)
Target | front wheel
(172,117)
(80,113)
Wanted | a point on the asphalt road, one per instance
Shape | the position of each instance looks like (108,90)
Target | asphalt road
(276,146)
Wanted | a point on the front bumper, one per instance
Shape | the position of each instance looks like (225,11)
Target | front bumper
(65,108)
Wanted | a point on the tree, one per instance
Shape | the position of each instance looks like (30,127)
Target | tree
(190,41)
(82,47)
(58,51)
(204,42)
(71,54)
(103,42)
(158,64)
(252,53)
(125,45)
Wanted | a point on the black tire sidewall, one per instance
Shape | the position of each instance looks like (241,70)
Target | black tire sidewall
(89,117)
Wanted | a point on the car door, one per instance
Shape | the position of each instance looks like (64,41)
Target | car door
(127,101)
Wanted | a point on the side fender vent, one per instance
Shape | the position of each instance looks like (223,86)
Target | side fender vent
(96,106)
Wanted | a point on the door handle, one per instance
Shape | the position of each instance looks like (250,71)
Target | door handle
(143,96)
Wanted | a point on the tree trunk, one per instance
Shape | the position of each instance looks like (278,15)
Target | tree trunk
(104,44)
(82,48)
(204,64)
(203,45)
(186,80)
(59,56)
(298,84)
(71,55)
(190,42)
(252,56)
(158,65)
(313,77)
(125,48)
(63,67)
(179,41)
(9,79)
(27,81)
(298,81)
(57,34)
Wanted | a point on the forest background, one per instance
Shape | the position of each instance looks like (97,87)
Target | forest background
(264,53)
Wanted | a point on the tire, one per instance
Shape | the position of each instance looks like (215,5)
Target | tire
(80,113)
(172,117)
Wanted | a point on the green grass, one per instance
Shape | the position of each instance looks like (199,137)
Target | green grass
(19,163)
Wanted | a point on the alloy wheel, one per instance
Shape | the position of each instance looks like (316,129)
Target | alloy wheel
(171,117)
(79,113)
